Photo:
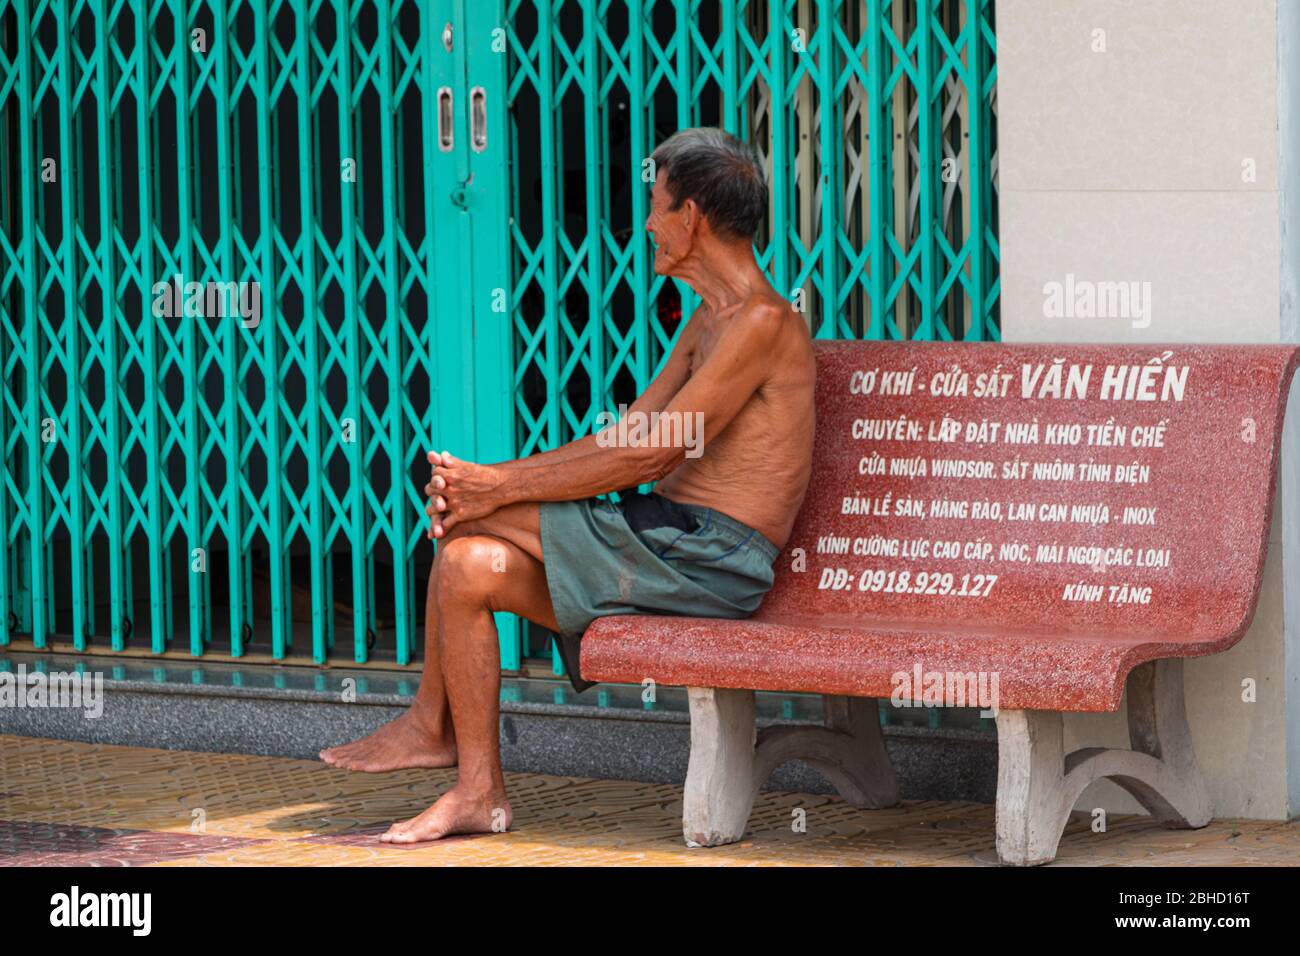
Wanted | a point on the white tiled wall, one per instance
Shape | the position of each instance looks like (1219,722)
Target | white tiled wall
(1132,164)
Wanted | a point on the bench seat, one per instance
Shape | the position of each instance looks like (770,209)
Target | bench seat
(1036,670)
(1068,521)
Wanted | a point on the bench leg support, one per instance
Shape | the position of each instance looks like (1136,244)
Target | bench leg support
(720,776)
(730,761)
(1038,783)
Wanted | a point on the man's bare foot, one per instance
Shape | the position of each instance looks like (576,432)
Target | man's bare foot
(401,744)
(456,811)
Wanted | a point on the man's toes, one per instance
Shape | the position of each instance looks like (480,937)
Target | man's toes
(412,831)
(344,760)
(393,834)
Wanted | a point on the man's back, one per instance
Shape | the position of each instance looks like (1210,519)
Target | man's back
(757,469)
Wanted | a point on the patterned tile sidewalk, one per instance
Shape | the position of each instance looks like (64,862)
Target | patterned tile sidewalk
(76,804)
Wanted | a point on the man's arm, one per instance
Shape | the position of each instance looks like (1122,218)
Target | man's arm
(718,390)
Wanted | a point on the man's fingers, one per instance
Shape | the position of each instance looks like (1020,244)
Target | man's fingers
(437,512)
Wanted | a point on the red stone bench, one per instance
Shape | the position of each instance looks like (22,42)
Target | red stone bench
(1059,624)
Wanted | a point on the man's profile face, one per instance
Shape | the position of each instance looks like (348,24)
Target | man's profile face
(667,226)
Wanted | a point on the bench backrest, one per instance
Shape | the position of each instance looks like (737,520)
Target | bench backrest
(1124,489)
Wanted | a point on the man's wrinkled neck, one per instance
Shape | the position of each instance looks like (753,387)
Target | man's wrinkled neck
(722,274)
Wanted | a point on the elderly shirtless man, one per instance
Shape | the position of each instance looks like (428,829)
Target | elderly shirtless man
(528,536)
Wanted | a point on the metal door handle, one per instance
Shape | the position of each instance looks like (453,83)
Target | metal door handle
(478,119)
(445,134)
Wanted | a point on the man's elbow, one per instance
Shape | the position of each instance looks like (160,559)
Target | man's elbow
(651,463)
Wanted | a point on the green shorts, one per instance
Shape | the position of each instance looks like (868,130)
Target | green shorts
(647,554)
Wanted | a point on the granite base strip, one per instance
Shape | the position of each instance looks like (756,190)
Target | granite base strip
(931,764)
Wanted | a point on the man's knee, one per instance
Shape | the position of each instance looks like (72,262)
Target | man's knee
(468,567)
(444,544)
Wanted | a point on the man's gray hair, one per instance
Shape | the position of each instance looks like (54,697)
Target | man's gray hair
(720,172)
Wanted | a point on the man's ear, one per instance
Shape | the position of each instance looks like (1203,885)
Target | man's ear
(693,217)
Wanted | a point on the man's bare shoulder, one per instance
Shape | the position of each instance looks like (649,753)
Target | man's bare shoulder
(762,326)
(764,314)
(792,344)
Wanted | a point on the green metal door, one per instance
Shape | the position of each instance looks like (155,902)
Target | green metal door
(178,479)
(469,212)
(875,120)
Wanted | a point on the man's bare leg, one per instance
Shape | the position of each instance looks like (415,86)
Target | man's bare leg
(425,736)
(480,575)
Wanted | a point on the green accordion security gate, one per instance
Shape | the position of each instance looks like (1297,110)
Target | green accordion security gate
(422,220)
